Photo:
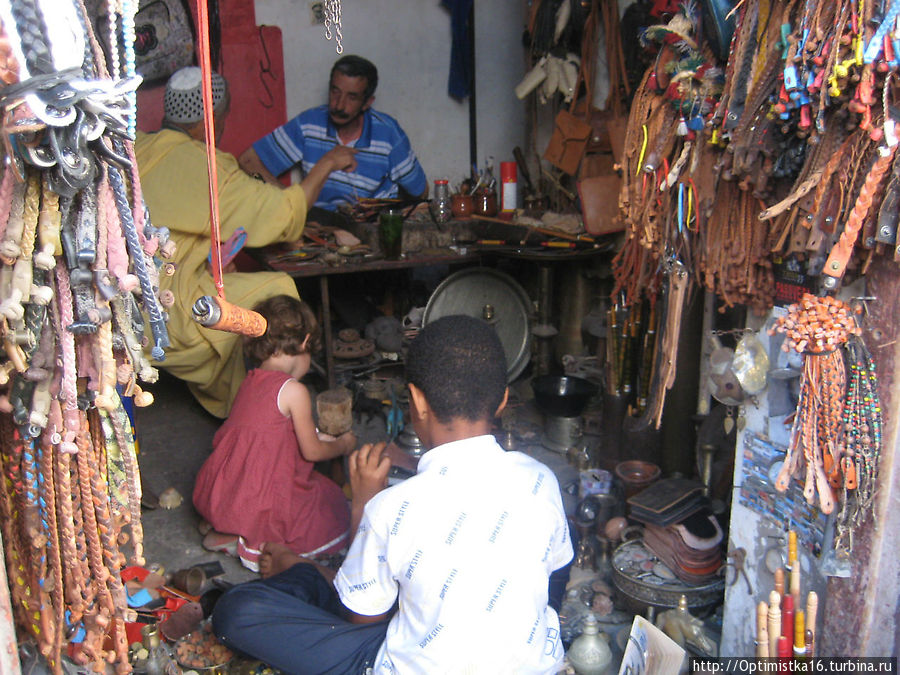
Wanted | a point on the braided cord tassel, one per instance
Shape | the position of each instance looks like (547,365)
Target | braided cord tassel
(31,211)
(151,305)
(84,583)
(6,195)
(118,419)
(34,537)
(52,551)
(49,223)
(68,386)
(98,616)
(11,244)
(73,570)
(10,507)
(116,250)
(32,31)
(112,557)
(105,363)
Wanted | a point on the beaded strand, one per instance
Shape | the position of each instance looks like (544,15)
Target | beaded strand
(862,430)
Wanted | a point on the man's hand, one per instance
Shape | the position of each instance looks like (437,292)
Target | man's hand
(340,158)
(250,162)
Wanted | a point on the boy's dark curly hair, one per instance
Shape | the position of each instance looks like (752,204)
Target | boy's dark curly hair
(289,322)
(459,364)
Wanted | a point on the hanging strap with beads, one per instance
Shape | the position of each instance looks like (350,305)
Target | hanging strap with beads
(862,429)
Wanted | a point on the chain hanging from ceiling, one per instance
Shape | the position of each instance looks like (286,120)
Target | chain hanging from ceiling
(333,24)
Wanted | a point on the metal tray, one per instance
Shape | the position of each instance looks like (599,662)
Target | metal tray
(654,590)
(494,296)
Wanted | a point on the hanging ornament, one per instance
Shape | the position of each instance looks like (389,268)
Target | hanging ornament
(818,328)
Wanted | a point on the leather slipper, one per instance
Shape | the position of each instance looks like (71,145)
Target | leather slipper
(218,542)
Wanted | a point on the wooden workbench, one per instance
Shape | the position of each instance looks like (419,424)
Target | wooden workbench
(300,268)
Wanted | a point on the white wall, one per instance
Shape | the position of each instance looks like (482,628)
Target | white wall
(409,42)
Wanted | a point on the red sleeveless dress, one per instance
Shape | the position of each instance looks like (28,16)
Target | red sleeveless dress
(256,484)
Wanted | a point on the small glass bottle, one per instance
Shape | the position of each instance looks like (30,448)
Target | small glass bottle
(440,203)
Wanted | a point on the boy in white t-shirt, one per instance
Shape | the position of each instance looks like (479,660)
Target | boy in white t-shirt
(448,571)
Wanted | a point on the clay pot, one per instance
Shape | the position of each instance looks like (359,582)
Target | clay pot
(486,203)
(636,475)
(461,206)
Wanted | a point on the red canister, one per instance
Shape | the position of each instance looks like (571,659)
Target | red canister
(509,188)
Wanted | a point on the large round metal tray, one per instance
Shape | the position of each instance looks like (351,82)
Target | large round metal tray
(650,589)
(494,296)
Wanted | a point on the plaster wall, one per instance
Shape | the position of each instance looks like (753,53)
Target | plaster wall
(409,41)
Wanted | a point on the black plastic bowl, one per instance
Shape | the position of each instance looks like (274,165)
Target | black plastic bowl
(562,395)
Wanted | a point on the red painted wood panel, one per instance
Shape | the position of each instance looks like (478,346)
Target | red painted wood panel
(253,64)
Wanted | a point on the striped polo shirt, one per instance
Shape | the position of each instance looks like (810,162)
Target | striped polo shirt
(385,159)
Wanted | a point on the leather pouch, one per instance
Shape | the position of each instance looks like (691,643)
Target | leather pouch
(567,142)
(600,204)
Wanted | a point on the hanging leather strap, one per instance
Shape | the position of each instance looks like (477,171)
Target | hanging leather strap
(837,261)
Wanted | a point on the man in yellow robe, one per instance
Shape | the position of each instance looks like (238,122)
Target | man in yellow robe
(173,169)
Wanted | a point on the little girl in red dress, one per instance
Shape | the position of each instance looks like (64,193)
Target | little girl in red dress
(258,485)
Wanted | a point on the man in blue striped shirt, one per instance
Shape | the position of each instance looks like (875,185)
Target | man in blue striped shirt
(384,158)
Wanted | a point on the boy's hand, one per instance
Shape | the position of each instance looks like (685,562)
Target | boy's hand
(369,468)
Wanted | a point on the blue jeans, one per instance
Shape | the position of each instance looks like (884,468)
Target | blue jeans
(292,621)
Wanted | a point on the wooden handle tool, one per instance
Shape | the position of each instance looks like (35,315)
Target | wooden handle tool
(774,624)
(219,314)
(799,633)
(795,583)
(812,608)
(762,630)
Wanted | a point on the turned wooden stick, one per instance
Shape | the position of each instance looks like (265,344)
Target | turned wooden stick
(795,583)
(774,622)
(779,581)
(812,607)
(762,630)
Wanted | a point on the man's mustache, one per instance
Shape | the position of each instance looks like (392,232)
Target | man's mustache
(340,114)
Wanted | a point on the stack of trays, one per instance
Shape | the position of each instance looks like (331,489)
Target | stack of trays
(680,529)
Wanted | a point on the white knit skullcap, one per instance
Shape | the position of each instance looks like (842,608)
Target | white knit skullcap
(184,95)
